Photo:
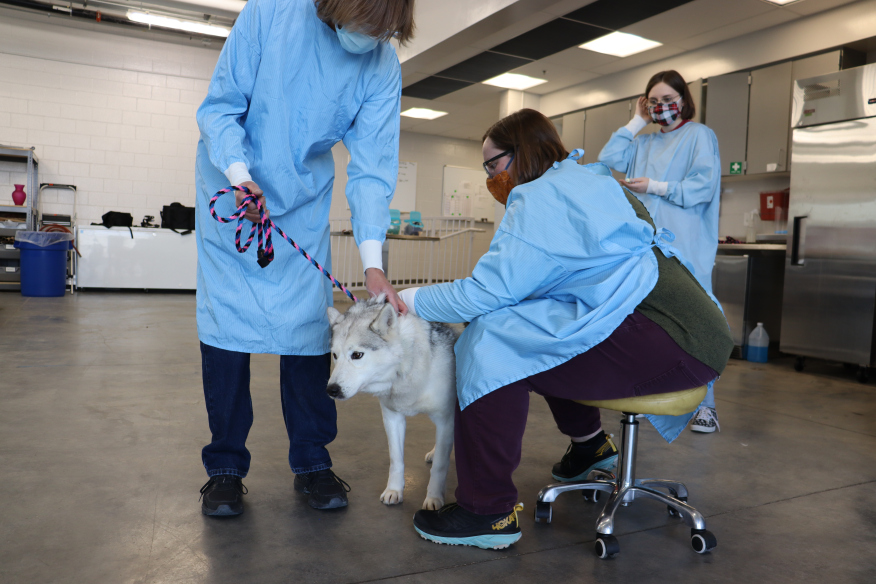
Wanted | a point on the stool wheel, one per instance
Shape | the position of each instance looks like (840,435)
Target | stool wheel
(591,495)
(543,512)
(606,546)
(799,364)
(702,541)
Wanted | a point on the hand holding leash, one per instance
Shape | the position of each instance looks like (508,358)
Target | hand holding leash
(263,225)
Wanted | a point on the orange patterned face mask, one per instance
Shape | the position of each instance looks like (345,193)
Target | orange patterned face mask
(500,186)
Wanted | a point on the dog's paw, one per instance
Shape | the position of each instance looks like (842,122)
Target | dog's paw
(433,503)
(391,497)
(429,456)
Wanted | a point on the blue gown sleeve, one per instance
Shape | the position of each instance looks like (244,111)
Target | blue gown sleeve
(619,150)
(701,180)
(373,169)
(507,274)
(231,87)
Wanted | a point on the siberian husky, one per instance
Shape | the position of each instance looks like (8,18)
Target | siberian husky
(408,363)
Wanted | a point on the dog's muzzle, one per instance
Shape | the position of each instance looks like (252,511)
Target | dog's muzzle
(334,391)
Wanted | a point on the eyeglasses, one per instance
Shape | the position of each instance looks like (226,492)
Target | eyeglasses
(652,102)
(490,165)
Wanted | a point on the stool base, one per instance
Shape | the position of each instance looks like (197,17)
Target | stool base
(623,489)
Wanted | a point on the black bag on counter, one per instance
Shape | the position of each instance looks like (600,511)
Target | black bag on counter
(117,219)
(176,216)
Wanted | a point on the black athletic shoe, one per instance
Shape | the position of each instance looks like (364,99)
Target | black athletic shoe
(326,490)
(583,457)
(453,525)
(223,495)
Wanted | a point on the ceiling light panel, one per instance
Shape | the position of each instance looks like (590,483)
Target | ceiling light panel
(422,113)
(515,81)
(620,44)
(781,2)
(176,24)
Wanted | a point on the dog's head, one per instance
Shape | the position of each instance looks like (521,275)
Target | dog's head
(365,348)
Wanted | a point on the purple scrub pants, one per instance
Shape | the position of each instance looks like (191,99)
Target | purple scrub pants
(639,358)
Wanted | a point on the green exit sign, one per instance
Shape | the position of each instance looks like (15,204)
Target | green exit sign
(735,168)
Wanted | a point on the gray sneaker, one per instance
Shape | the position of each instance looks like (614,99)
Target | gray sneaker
(706,420)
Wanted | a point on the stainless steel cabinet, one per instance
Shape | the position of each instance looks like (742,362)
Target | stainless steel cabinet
(600,123)
(769,119)
(748,282)
(727,116)
(573,131)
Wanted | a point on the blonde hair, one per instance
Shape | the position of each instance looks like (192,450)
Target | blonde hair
(381,19)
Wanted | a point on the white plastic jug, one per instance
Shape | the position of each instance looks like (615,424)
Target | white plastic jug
(758,345)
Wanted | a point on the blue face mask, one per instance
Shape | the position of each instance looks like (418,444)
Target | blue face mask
(356,42)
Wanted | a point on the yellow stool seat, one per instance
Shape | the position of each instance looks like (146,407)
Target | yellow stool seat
(675,403)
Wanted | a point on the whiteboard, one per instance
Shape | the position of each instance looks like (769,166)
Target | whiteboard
(465,194)
(405,198)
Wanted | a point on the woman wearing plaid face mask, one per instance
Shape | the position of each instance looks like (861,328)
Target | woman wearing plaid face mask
(676,173)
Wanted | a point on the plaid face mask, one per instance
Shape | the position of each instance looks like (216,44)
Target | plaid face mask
(665,113)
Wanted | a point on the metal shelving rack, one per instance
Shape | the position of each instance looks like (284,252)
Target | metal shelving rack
(10,278)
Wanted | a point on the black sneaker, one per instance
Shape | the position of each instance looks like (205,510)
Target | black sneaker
(326,490)
(223,495)
(453,525)
(583,457)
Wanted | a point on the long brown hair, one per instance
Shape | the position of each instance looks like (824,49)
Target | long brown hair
(674,80)
(533,139)
(381,19)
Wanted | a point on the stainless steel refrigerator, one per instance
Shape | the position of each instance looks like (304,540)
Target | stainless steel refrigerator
(829,296)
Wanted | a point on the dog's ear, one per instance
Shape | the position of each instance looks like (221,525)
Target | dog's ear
(385,321)
(333,315)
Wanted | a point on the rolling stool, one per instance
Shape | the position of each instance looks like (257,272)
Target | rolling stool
(626,487)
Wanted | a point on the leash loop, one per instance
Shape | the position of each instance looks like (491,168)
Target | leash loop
(261,231)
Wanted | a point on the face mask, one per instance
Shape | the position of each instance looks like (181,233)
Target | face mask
(356,42)
(665,113)
(500,186)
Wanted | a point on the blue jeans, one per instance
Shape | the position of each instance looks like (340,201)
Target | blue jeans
(310,414)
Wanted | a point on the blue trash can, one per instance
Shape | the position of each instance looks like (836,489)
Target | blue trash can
(43,267)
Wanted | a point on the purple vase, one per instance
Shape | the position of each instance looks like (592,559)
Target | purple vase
(18,195)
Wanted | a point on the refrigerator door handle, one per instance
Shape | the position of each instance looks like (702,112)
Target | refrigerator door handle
(798,242)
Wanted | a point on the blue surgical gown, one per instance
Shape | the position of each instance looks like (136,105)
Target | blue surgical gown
(283,93)
(569,262)
(567,265)
(687,158)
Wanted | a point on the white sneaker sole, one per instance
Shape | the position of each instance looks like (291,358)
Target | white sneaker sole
(703,429)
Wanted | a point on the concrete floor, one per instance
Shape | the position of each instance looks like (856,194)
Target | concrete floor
(102,420)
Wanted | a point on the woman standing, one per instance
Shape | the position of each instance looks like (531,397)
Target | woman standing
(578,298)
(676,174)
(294,78)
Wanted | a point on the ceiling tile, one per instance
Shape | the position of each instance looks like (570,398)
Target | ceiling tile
(639,59)
(578,59)
(607,13)
(482,67)
(432,87)
(737,29)
(550,38)
(696,18)
(474,94)
(814,6)
(558,77)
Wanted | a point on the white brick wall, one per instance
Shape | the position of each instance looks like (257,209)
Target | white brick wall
(111,114)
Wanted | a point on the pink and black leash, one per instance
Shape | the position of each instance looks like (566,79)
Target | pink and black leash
(263,228)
